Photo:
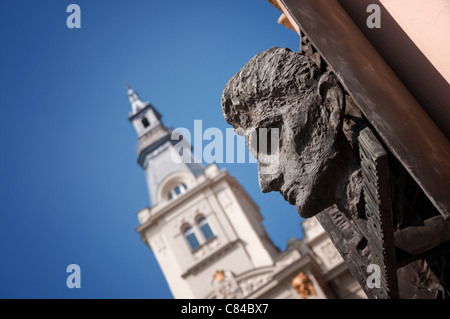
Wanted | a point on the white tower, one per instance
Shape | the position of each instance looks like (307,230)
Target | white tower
(155,147)
(203,227)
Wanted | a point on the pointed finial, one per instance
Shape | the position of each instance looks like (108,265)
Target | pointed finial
(136,102)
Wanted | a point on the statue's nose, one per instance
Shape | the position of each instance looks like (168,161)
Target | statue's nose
(271,182)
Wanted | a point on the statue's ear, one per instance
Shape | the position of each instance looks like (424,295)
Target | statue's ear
(332,96)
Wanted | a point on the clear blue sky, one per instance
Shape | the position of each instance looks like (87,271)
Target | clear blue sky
(70,185)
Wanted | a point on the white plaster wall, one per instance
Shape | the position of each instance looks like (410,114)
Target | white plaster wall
(169,263)
(243,227)
(312,229)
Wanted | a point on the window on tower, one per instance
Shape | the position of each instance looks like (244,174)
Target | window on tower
(191,238)
(205,228)
(145,122)
(177,190)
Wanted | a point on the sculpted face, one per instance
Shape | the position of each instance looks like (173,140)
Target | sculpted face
(280,89)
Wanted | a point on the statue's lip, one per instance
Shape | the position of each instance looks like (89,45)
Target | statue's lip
(290,193)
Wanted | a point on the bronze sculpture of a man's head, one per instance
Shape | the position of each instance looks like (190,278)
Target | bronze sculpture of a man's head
(284,90)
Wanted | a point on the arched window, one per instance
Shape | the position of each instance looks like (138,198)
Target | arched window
(204,227)
(191,238)
(177,190)
(145,122)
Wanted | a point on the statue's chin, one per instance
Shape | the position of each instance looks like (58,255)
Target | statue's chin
(301,196)
(309,205)
(306,212)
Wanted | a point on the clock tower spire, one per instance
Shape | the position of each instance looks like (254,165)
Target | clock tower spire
(155,149)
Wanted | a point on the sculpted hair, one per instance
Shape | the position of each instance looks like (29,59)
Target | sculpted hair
(277,74)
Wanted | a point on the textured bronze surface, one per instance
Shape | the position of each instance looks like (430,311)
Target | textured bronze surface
(377,197)
(398,119)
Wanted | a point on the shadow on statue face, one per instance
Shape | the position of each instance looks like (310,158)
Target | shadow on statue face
(284,94)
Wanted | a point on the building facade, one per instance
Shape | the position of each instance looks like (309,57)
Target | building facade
(207,233)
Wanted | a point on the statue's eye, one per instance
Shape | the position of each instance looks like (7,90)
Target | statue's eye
(269,141)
